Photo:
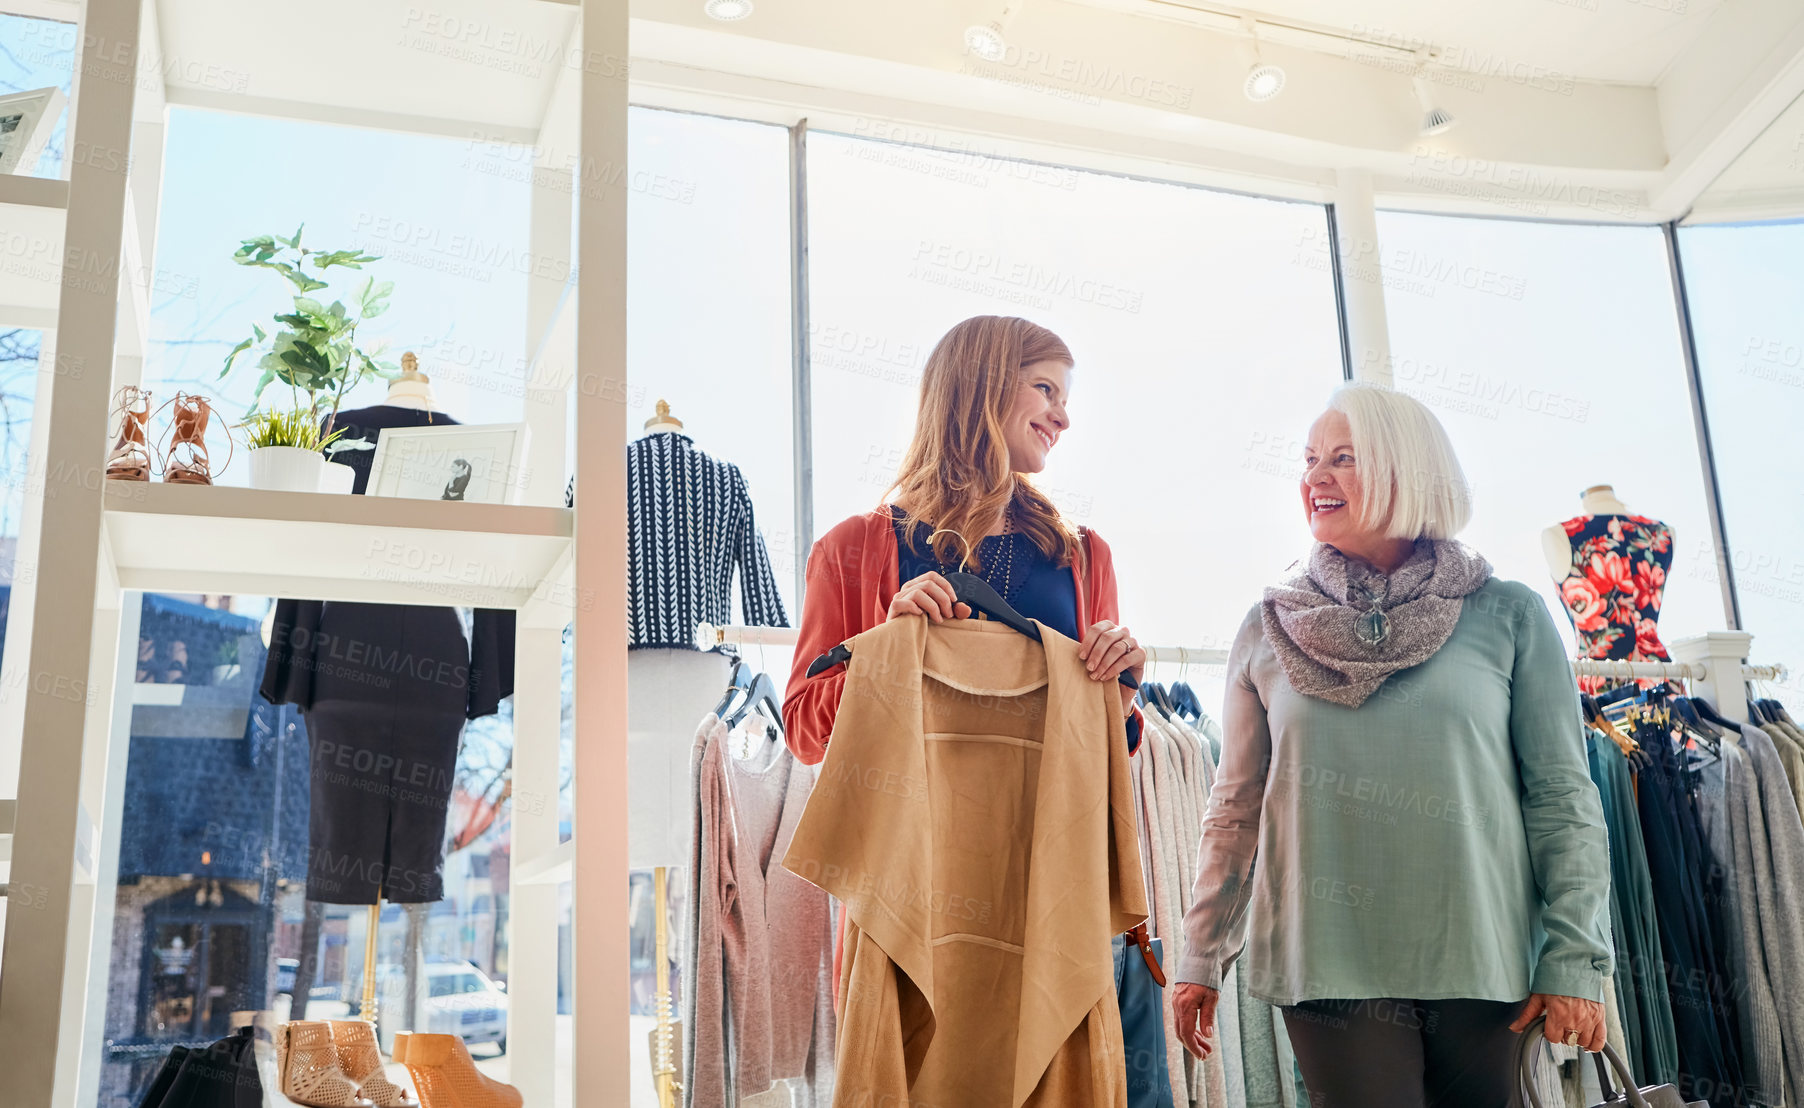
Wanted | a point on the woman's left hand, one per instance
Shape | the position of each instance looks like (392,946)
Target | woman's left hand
(1109,650)
(1566,1014)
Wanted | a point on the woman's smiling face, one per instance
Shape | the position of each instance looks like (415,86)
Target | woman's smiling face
(1036,417)
(1333,499)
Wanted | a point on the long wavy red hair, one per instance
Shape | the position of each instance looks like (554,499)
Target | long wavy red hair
(956,476)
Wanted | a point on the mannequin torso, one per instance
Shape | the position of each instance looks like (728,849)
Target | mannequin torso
(1611,567)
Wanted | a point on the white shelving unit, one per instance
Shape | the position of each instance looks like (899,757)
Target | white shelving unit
(86,248)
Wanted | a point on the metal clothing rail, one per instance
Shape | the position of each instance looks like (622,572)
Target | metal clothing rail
(711,635)
(1186,655)
(1659,671)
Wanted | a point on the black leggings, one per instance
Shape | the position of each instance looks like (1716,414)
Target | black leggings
(1385,1053)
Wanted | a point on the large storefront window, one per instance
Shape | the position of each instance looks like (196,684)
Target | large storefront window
(1744,284)
(1552,355)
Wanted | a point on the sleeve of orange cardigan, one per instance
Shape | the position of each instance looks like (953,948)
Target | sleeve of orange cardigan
(810,703)
(1108,606)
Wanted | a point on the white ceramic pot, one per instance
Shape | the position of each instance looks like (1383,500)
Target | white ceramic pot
(285,469)
(336,477)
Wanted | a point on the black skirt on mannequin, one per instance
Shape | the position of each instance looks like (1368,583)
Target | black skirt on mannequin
(384,731)
(385,690)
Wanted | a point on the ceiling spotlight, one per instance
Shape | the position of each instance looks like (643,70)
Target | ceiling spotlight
(727,10)
(985,40)
(1434,119)
(1264,80)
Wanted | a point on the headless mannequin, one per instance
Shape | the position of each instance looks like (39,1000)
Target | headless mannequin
(1598,500)
(412,389)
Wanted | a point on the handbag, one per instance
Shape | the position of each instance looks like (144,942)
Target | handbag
(1525,1095)
(223,1075)
(1138,993)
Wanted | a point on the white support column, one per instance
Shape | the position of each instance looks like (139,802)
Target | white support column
(39,955)
(1721,653)
(548,339)
(1361,276)
(601,1070)
(533,901)
(109,733)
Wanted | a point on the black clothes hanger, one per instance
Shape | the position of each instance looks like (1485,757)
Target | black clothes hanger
(1153,694)
(1185,698)
(740,681)
(1686,709)
(762,693)
(1708,711)
(969,589)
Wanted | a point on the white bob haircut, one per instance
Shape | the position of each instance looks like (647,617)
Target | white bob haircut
(1412,481)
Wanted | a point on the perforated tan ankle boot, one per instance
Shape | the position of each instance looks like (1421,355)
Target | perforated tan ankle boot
(361,1059)
(310,1069)
(446,1077)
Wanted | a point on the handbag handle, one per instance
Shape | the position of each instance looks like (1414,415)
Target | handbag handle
(1526,1045)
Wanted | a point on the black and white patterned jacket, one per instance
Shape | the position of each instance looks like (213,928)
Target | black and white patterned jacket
(689,524)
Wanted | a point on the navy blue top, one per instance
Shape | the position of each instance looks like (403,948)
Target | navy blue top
(1037,587)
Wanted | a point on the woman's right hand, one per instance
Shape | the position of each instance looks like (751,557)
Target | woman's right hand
(1194,1007)
(928,595)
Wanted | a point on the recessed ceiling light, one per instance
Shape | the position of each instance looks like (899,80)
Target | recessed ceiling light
(727,10)
(1264,81)
(985,40)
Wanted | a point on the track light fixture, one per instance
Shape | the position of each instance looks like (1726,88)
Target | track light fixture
(985,39)
(727,11)
(1434,118)
(1264,80)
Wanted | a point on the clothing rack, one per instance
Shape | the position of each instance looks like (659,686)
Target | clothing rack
(710,635)
(1713,661)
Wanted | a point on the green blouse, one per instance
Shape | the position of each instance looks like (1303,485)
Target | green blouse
(1444,839)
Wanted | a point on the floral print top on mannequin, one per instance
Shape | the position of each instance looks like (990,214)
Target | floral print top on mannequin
(1613,589)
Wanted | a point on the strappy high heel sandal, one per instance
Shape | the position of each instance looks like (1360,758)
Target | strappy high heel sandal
(130,457)
(185,461)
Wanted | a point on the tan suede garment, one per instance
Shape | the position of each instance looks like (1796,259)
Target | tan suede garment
(975,816)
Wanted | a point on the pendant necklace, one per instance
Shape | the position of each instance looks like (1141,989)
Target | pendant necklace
(1372,626)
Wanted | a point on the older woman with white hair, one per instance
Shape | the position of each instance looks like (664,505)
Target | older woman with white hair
(1403,757)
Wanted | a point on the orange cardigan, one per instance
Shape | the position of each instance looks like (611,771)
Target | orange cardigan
(852,576)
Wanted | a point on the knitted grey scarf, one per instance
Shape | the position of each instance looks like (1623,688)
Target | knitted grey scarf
(1339,627)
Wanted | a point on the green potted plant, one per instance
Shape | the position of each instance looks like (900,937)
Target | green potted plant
(314,352)
(286,448)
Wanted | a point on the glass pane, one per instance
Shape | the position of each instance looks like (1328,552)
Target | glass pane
(221,837)
(459,296)
(709,295)
(18,391)
(1744,284)
(1551,353)
(1203,326)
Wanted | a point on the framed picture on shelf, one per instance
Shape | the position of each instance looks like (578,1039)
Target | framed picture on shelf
(26,120)
(480,462)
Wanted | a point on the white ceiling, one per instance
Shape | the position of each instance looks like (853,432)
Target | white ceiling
(1766,182)
(1586,109)
(457,65)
